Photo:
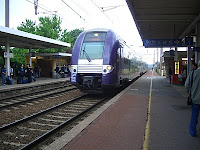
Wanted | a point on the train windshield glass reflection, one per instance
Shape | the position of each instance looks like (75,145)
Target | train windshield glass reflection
(93,50)
(93,44)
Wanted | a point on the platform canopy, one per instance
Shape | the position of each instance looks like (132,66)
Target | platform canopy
(165,19)
(22,39)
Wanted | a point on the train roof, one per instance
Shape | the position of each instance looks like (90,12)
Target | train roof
(106,30)
(98,29)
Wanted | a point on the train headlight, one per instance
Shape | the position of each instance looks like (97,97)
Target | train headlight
(73,68)
(107,69)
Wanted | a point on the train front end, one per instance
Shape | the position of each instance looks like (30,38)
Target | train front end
(91,64)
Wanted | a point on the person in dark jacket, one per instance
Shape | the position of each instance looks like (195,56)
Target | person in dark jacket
(21,74)
(195,96)
(28,73)
(37,71)
(68,70)
(63,71)
(3,75)
(57,71)
(170,75)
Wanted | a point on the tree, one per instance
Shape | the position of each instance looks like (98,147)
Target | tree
(66,37)
(74,34)
(18,56)
(49,27)
(27,26)
(2,60)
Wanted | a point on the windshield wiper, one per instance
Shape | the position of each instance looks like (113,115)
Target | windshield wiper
(87,56)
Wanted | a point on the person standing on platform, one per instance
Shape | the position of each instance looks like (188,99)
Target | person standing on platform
(11,72)
(189,80)
(21,74)
(68,70)
(183,75)
(28,73)
(3,75)
(37,72)
(63,71)
(195,95)
(170,75)
(57,71)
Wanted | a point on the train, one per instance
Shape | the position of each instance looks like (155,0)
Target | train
(102,61)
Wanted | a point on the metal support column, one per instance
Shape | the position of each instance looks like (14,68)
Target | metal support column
(7,60)
(176,55)
(30,60)
(8,57)
(7,13)
(157,61)
(197,54)
(161,60)
(189,65)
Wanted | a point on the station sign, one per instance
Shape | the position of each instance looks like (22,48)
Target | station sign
(163,43)
(56,56)
(176,67)
(8,55)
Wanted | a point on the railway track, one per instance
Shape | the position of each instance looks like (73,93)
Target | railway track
(32,96)
(30,131)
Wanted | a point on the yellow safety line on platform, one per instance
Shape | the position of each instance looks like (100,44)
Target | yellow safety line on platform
(146,137)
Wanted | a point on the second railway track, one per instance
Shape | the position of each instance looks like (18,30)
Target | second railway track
(27,132)
(17,100)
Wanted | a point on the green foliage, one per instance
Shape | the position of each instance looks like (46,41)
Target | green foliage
(74,34)
(28,26)
(49,27)
(66,37)
(2,49)
(1,61)
(18,56)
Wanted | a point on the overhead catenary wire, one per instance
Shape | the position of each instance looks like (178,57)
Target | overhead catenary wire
(80,7)
(50,12)
(73,10)
(39,6)
(101,11)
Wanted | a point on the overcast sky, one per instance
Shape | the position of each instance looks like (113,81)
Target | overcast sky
(82,14)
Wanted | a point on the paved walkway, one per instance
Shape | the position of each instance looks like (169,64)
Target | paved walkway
(38,81)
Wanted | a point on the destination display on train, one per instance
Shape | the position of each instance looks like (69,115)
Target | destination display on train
(95,36)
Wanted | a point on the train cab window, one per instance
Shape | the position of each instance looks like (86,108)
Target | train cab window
(93,50)
(95,37)
(93,45)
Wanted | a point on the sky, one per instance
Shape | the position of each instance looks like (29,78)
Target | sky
(82,14)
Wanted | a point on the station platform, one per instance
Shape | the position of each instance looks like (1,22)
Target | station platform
(38,81)
(39,84)
(120,124)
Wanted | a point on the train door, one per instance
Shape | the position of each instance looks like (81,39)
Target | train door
(120,64)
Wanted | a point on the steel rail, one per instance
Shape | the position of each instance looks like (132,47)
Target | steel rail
(37,114)
(39,139)
(31,99)
(14,96)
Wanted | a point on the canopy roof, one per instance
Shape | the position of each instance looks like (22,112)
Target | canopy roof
(165,19)
(22,39)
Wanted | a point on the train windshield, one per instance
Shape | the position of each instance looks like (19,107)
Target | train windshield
(93,50)
(93,45)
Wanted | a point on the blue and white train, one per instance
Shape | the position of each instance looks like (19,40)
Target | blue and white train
(100,61)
